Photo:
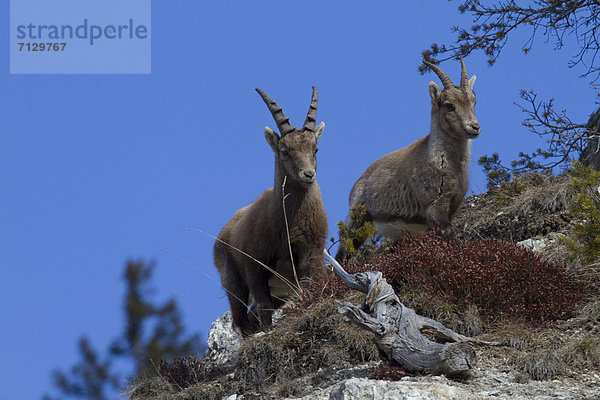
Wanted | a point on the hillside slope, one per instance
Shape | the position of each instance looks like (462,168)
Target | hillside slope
(312,353)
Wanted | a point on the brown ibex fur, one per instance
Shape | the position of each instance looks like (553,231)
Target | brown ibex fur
(260,228)
(421,186)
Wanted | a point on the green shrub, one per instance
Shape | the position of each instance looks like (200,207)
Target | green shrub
(508,190)
(348,236)
(584,244)
(495,172)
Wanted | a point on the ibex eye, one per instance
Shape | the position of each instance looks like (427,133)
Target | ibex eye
(449,106)
(284,153)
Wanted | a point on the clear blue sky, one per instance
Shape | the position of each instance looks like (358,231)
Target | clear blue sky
(98,169)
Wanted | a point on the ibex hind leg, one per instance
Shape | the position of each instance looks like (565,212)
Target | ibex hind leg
(237,290)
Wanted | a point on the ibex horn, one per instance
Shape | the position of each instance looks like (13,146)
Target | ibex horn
(446,81)
(464,78)
(283,122)
(311,116)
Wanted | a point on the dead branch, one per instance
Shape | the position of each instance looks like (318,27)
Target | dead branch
(417,343)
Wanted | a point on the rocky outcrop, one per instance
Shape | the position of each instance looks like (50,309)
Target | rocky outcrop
(540,245)
(356,388)
(223,341)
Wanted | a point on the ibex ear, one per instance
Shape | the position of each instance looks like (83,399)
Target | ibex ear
(272,138)
(472,82)
(434,92)
(319,130)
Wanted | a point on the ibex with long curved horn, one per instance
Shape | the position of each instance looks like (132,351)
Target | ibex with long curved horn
(276,224)
(421,186)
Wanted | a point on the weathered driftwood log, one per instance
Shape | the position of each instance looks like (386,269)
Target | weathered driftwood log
(399,330)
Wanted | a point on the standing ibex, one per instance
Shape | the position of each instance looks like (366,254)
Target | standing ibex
(421,186)
(267,230)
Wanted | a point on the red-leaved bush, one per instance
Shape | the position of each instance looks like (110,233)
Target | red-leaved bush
(501,278)
(390,372)
(326,285)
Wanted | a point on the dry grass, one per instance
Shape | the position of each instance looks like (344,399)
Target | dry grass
(301,344)
(588,318)
(543,193)
(543,354)
(315,339)
(464,320)
(584,352)
(541,208)
(514,335)
(540,365)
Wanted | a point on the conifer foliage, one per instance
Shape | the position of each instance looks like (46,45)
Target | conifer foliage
(557,23)
(153,332)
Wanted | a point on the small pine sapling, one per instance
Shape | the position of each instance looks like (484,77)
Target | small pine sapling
(584,243)
(349,236)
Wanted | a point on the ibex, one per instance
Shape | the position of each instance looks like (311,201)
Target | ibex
(421,186)
(267,230)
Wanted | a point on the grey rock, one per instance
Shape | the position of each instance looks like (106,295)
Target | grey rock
(535,245)
(223,341)
(361,388)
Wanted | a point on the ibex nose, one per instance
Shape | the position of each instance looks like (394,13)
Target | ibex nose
(309,174)
(475,126)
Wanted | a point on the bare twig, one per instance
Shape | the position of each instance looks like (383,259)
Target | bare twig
(287,230)
(212,279)
(493,23)
(277,274)
(566,140)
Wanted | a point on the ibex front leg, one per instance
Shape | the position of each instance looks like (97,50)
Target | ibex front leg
(438,213)
(437,216)
(262,308)
(310,265)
